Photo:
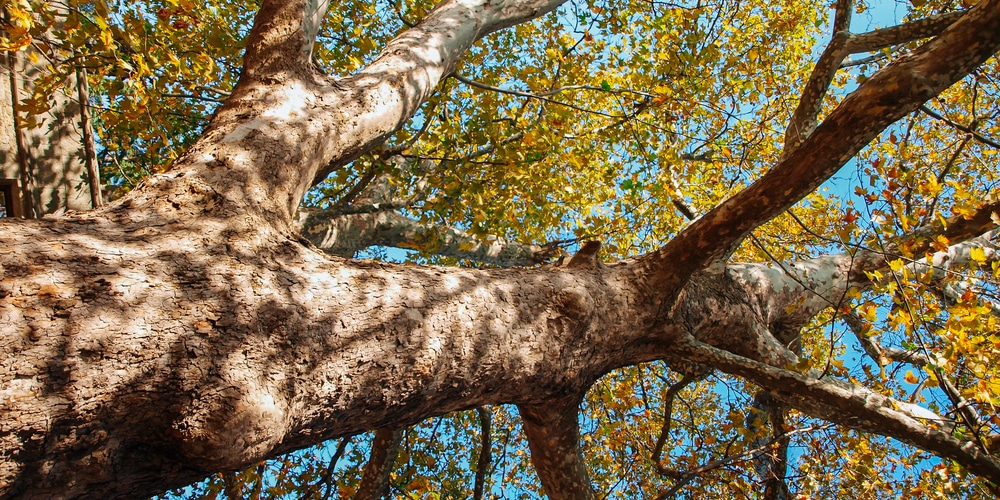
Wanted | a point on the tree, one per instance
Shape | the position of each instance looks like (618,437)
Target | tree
(192,326)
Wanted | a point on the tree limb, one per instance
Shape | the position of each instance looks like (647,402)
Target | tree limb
(485,460)
(285,124)
(347,234)
(850,405)
(803,120)
(799,290)
(553,434)
(375,476)
(903,33)
(881,100)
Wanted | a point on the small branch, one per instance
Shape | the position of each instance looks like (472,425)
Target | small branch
(326,478)
(668,408)
(549,93)
(943,174)
(979,137)
(541,97)
(715,464)
(974,232)
(194,97)
(860,331)
(864,60)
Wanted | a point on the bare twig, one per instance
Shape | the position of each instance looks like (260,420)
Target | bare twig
(979,137)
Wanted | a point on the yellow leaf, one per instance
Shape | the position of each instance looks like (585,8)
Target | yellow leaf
(896,265)
(978,255)
(910,377)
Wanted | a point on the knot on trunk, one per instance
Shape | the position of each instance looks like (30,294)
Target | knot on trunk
(716,310)
(229,429)
(587,257)
(572,309)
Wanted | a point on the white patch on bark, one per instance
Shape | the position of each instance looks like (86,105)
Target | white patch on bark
(296,99)
(243,130)
(315,11)
(293,101)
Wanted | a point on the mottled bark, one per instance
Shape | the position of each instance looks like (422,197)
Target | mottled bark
(187,329)
(553,433)
(143,357)
(375,475)
(345,235)
(485,461)
(884,98)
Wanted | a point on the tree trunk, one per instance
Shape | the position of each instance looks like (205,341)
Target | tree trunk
(186,329)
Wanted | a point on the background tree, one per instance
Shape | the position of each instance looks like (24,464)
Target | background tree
(190,329)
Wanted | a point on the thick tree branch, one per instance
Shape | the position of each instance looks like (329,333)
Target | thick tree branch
(346,234)
(191,296)
(282,37)
(881,100)
(851,405)
(485,460)
(270,346)
(959,230)
(554,439)
(285,125)
(375,476)
(797,291)
(903,33)
(803,120)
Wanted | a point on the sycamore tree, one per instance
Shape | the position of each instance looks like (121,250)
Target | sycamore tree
(630,268)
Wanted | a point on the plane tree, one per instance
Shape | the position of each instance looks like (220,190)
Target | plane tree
(213,316)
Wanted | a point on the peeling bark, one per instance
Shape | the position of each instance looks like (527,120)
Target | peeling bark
(187,329)
(345,235)
(553,433)
(852,406)
(375,476)
(485,460)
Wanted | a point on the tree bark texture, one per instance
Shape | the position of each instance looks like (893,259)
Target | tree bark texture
(188,329)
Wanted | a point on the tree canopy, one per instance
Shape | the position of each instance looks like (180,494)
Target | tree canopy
(761,236)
